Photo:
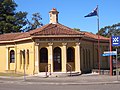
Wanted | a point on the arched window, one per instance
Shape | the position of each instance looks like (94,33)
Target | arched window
(20,58)
(84,58)
(89,58)
(12,56)
(43,55)
(27,57)
(70,54)
(57,54)
(57,59)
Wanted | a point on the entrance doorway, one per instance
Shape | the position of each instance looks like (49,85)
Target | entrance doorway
(43,62)
(71,57)
(57,59)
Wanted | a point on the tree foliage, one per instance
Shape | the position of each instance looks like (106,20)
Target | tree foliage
(35,22)
(10,20)
(113,30)
(108,31)
(77,29)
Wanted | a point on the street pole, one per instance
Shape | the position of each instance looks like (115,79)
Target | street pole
(98,42)
(111,62)
(116,66)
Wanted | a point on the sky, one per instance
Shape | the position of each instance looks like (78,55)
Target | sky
(72,12)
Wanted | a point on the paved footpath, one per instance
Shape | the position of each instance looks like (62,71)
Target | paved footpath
(82,79)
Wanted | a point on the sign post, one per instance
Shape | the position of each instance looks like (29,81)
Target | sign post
(116,42)
(112,53)
(116,66)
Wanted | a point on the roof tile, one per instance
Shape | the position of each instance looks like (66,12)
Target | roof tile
(91,35)
(9,36)
(56,29)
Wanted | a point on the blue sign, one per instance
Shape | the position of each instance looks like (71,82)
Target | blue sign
(108,54)
(115,40)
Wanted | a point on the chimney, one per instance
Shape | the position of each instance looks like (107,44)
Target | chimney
(53,16)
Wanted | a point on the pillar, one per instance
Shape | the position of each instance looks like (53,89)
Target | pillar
(37,58)
(64,57)
(50,55)
(77,57)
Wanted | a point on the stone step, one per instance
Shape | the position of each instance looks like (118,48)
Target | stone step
(58,74)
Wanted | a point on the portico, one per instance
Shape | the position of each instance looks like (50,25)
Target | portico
(57,54)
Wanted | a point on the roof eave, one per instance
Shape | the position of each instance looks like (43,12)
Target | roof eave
(95,39)
(13,41)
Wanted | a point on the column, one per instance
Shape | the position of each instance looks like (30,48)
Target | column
(64,57)
(77,58)
(50,55)
(7,58)
(36,57)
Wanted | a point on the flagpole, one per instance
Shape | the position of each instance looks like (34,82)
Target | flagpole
(95,13)
(98,41)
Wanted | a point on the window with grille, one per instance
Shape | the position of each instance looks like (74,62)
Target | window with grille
(70,54)
(12,56)
(43,55)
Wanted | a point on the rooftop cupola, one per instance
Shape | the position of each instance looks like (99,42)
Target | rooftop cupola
(53,16)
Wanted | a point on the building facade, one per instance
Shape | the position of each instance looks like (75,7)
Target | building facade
(53,46)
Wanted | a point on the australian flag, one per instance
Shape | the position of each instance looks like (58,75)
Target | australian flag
(93,13)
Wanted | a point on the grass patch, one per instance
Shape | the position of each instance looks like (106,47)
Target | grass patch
(11,74)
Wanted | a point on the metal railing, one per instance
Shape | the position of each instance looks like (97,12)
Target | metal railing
(48,70)
(69,68)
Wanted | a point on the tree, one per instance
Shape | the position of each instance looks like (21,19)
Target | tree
(77,29)
(108,31)
(10,20)
(35,22)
